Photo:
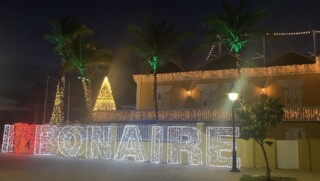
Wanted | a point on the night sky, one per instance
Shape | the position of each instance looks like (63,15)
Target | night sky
(26,58)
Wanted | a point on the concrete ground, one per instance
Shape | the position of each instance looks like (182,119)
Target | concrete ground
(15,167)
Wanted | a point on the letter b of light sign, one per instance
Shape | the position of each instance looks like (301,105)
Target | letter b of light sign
(184,139)
(45,140)
(219,146)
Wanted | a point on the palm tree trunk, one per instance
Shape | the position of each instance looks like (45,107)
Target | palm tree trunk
(155,84)
(238,64)
(57,116)
(268,171)
(86,83)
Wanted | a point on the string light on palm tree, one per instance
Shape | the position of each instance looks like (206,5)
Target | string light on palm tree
(57,116)
(64,31)
(85,57)
(154,63)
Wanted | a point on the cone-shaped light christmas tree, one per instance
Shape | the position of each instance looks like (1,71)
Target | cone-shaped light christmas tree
(105,100)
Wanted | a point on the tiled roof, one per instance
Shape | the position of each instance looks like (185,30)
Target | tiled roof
(291,58)
(171,67)
(228,61)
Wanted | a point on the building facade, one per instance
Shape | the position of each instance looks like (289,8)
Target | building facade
(199,99)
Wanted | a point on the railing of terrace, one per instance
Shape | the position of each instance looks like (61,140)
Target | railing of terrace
(164,115)
(301,114)
(197,115)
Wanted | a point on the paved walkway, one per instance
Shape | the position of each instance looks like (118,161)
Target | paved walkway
(15,167)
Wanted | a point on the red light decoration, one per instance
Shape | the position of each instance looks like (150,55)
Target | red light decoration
(24,135)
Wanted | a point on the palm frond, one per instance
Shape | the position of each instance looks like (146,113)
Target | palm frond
(64,31)
(232,27)
(157,39)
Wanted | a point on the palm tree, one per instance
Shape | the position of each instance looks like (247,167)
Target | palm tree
(234,28)
(86,58)
(157,46)
(64,31)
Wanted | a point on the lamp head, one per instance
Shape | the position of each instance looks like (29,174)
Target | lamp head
(233,96)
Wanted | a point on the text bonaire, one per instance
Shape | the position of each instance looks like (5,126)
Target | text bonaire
(164,145)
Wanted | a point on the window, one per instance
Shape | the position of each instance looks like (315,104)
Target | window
(208,98)
(292,97)
(295,133)
(208,94)
(163,100)
(292,92)
(163,96)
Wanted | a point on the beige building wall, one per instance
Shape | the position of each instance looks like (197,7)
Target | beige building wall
(252,91)
(314,154)
(311,130)
(304,155)
(246,150)
(272,80)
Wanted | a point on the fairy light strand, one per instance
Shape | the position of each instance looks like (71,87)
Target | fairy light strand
(232,73)
(164,115)
(289,33)
(204,115)
(210,52)
(57,116)
(86,83)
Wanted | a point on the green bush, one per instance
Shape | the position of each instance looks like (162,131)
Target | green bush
(252,178)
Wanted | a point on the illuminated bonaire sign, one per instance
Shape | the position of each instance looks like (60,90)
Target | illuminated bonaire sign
(170,144)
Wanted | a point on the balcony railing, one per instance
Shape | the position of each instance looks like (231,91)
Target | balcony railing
(302,114)
(197,115)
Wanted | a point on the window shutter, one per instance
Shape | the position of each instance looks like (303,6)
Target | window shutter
(286,97)
(298,97)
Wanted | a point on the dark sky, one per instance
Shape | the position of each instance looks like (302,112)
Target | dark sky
(26,59)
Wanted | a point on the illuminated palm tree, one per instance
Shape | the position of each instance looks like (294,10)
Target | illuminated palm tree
(157,46)
(85,58)
(234,28)
(64,31)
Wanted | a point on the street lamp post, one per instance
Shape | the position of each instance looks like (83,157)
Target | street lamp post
(233,97)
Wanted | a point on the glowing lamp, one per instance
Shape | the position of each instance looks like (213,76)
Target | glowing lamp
(189,93)
(233,96)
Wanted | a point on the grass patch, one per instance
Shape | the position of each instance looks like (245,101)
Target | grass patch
(263,178)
